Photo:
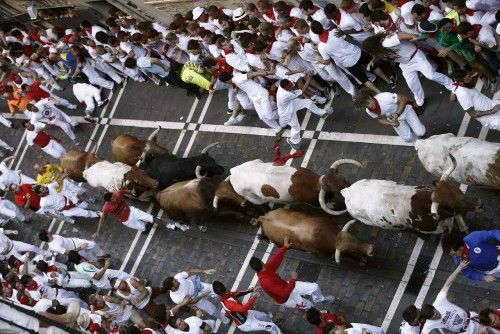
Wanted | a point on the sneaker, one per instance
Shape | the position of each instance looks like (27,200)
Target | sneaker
(156,80)
(229,112)
(329,111)
(240,117)
(149,226)
(231,121)
(72,106)
(292,145)
(182,227)
(199,94)
(318,99)
(91,199)
(90,119)
(394,76)
(170,226)
(325,93)
(328,299)
(103,102)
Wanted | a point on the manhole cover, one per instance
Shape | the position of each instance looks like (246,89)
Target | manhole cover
(419,275)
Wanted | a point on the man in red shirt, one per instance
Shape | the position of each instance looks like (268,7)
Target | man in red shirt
(34,93)
(322,318)
(289,293)
(244,318)
(25,197)
(128,215)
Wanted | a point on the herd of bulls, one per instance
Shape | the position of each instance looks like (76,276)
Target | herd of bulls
(191,187)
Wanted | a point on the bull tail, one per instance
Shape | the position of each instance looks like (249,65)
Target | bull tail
(344,229)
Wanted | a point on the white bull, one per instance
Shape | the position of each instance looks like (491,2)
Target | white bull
(106,175)
(478,161)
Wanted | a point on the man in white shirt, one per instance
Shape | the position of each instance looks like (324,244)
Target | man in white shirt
(289,103)
(443,314)
(56,204)
(10,247)
(8,211)
(345,24)
(191,325)
(62,245)
(36,136)
(475,103)
(45,111)
(316,13)
(411,321)
(184,286)
(9,176)
(90,96)
(393,110)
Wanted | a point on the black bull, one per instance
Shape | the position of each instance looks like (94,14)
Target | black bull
(167,169)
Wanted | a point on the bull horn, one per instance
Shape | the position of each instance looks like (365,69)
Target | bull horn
(322,203)
(215,202)
(434,210)
(7,159)
(154,133)
(344,229)
(450,169)
(206,149)
(197,172)
(339,162)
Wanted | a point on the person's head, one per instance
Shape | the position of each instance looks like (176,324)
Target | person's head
(193,28)
(307,7)
(285,21)
(44,235)
(364,99)
(123,36)
(15,187)
(26,280)
(225,77)
(266,29)
(331,11)
(40,190)
(411,315)
(219,288)
(252,10)
(256,264)
(210,64)
(171,38)
(118,284)
(497,16)
(350,6)
(74,257)
(177,323)
(6,290)
(380,18)
(108,197)
(287,84)
(465,29)
(317,28)
(42,266)
(429,312)
(28,125)
(263,6)
(96,299)
(170,284)
(194,47)
(313,316)
(453,243)
(131,329)
(26,88)
(144,26)
(459,6)
(445,25)
(31,107)
(301,26)
(130,63)
(464,77)
(418,12)
(376,4)
(488,317)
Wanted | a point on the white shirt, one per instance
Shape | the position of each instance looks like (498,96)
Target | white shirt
(60,244)
(47,111)
(343,53)
(347,22)
(284,100)
(320,16)
(405,50)
(8,176)
(487,36)
(388,103)
(472,98)
(53,202)
(194,325)
(5,242)
(406,328)
(31,135)
(186,288)
(453,318)
(250,87)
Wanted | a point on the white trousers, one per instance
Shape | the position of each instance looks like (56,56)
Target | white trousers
(95,78)
(410,127)
(61,101)
(79,211)
(87,94)
(10,210)
(259,321)
(75,282)
(138,219)
(419,63)
(338,75)
(5,121)
(296,299)
(19,247)
(69,186)
(5,145)
(64,125)
(358,329)
(92,251)
(266,113)
(104,67)
(492,121)
(54,149)
(289,117)
(231,96)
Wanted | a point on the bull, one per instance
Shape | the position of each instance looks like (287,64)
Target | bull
(478,161)
(419,209)
(194,198)
(264,182)
(313,233)
(129,149)
(87,167)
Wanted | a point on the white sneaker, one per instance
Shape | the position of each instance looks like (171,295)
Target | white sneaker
(329,111)
(328,299)
(231,121)
(240,117)
(318,99)
(72,106)
(170,226)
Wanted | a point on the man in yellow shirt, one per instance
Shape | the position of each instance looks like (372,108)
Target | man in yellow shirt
(55,173)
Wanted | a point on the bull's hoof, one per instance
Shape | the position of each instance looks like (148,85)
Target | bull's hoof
(254,221)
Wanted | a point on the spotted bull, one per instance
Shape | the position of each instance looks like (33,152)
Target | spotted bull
(420,209)
(478,161)
(264,182)
(87,167)
(129,149)
(312,233)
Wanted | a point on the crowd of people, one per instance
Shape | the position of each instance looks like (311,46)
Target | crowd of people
(271,58)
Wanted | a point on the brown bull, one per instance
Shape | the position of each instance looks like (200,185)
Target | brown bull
(312,233)
(74,162)
(129,149)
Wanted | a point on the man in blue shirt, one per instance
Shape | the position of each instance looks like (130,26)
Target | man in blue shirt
(480,248)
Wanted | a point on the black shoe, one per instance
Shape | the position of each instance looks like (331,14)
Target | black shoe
(149,226)
(199,94)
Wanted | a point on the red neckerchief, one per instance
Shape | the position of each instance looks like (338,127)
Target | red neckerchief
(377,110)
(269,46)
(252,52)
(293,20)
(127,287)
(323,37)
(465,253)
(88,31)
(457,84)
(475,30)
(401,2)
(33,286)
(280,160)
(25,300)
(52,269)
(226,52)
(314,9)
(337,17)
(470,12)
(390,26)
(300,39)
(497,312)
(348,8)
(270,14)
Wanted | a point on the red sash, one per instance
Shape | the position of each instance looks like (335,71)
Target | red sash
(42,139)
(377,110)
(280,160)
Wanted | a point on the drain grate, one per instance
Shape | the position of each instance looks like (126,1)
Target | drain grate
(308,272)
(419,274)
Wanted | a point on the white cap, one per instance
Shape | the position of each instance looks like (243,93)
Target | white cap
(237,61)
(197,12)
(238,14)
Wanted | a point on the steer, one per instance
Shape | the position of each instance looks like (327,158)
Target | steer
(83,166)
(168,169)
(265,182)
(194,198)
(129,149)
(478,161)
(420,209)
(312,233)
